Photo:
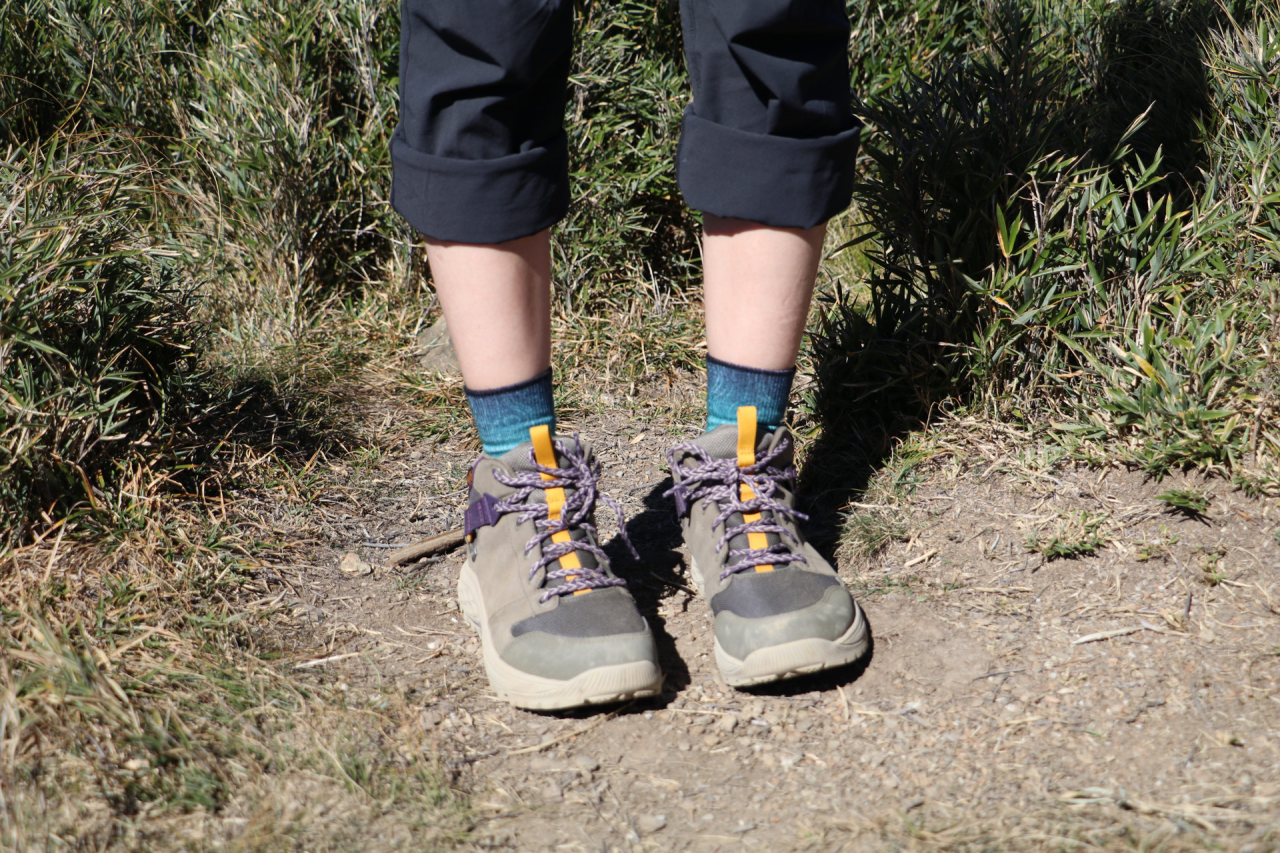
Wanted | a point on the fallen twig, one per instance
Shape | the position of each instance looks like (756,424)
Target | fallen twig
(1106,635)
(427,547)
(1021,721)
(330,659)
(925,556)
(1147,706)
(674,585)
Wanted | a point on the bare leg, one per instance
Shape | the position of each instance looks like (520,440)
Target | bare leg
(757,283)
(497,305)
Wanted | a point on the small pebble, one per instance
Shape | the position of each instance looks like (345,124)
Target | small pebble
(727,723)
(586,762)
(647,824)
(353,565)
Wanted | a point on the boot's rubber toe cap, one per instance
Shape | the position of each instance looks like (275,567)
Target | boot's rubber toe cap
(827,619)
(562,658)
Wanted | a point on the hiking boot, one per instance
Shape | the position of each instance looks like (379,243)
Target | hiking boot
(780,611)
(558,629)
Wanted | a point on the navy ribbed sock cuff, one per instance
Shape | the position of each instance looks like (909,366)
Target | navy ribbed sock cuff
(730,386)
(504,415)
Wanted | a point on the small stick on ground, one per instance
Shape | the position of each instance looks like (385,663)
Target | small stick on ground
(426,548)
(330,659)
(1106,635)
(925,556)
(673,585)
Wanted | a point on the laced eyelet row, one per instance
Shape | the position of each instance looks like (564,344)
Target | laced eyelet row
(580,480)
(721,481)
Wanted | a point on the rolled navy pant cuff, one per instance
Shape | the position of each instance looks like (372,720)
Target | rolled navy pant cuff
(481,201)
(778,181)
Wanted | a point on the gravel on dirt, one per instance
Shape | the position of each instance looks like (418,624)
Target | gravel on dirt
(1132,693)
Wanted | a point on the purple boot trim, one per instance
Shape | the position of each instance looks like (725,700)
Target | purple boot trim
(481,513)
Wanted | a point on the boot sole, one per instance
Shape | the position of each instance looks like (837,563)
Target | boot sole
(617,683)
(793,659)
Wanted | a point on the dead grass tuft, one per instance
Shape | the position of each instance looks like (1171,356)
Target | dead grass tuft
(145,703)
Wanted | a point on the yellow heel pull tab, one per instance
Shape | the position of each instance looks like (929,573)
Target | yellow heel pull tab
(545,452)
(746,436)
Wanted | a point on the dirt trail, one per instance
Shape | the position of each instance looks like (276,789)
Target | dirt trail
(986,714)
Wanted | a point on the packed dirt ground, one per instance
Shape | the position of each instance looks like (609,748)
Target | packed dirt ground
(1061,660)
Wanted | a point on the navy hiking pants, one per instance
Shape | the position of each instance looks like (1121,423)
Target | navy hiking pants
(480,155)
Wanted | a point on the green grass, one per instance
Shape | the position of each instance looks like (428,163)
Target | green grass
(1072,538)
(1192,502)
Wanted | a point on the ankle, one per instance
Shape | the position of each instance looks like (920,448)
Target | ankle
(730,386)
(503,416)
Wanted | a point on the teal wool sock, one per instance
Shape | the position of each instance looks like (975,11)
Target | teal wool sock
(730,386)
(504,415)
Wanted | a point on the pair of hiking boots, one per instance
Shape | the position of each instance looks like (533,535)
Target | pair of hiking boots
(560,630)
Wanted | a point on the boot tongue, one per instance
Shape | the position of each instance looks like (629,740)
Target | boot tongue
(722,443)
(520,458)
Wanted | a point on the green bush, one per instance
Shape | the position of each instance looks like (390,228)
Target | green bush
(892,39)
(289,126)
(68,65)
(98,350)
(628,231)
(1025,255)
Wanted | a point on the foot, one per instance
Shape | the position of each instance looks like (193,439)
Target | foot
(558,629)
(779,609)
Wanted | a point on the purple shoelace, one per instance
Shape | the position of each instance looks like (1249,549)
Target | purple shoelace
(721,481)
(579,481)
